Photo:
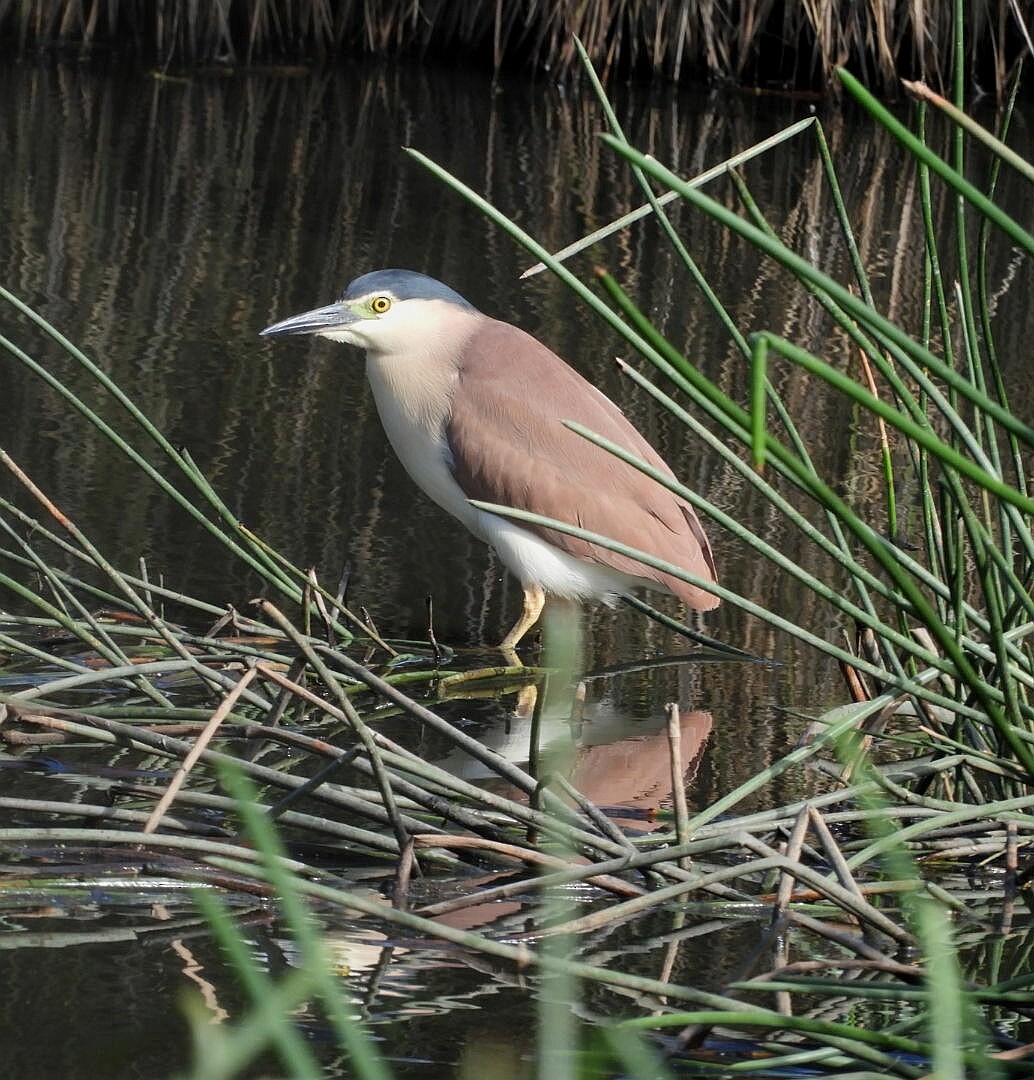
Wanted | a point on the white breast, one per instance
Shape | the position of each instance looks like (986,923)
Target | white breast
(413,398)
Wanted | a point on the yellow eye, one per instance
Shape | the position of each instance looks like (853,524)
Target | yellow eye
(380,304)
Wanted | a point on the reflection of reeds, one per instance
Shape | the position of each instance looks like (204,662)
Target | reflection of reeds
(752,41)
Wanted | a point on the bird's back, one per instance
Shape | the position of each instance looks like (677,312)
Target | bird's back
(510,446)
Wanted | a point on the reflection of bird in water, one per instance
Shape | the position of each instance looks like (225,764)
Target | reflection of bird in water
(636,771)
(475,409)
(611,760)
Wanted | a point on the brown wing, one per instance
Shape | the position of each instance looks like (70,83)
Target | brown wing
(510,446)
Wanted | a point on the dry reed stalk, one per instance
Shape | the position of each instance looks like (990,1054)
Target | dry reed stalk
(223,710)
(678,788)
(526,855)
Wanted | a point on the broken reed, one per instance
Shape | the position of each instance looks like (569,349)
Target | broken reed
(753,42)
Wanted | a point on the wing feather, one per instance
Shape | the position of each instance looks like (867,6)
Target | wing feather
(510,446)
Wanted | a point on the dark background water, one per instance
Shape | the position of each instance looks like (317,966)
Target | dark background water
(161,223)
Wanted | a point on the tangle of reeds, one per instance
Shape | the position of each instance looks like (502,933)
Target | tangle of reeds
(753,42)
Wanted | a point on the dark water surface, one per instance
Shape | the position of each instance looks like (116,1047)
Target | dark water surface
(160,224)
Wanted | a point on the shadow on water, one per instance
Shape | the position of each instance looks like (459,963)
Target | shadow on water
(161,223)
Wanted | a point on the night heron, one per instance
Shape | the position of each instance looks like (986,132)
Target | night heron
(475,409)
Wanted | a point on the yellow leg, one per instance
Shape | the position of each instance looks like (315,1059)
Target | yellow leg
(534,602)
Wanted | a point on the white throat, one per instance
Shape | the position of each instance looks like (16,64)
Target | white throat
(413,394)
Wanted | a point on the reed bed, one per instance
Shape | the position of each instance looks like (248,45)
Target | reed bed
(260,766)
(758,43)
(288,784)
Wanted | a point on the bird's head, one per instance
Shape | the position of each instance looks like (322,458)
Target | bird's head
(386,311)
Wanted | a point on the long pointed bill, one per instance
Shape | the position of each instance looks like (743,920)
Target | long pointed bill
(318,321)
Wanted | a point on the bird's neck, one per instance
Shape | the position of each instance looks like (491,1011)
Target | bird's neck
(414,400)
(414,375)
(412,392)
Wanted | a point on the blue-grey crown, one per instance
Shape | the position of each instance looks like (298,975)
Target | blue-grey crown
(404,285)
